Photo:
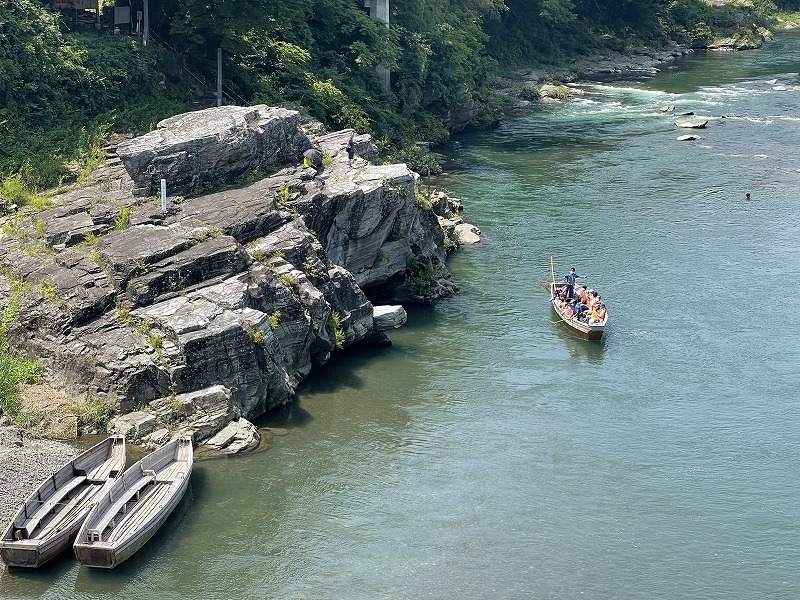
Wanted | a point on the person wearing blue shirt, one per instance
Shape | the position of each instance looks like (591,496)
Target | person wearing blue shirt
(351,149)
(570,279)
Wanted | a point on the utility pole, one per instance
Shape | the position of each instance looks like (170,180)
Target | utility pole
(146,26)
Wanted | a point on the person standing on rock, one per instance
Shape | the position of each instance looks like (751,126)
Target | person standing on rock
(351,149)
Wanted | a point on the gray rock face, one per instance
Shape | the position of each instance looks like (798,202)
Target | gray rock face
(371,223)
(215,257)
(216,309)
(389,317)
(238,436)
(212,146)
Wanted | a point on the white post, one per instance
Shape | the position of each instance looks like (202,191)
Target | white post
(219,76)
(164,195)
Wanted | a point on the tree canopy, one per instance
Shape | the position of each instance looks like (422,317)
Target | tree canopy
(61,90)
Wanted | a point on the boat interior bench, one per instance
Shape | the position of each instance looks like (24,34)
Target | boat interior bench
(100,474)
(132,493)
(49,506)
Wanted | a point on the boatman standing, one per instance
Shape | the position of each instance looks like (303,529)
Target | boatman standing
(570,279)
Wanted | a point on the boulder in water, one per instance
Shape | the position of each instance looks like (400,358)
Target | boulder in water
(692,124)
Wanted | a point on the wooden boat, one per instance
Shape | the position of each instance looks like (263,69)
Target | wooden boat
(48,521)
(590,331)
(130,510)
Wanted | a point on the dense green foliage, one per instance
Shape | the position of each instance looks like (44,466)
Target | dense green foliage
(549,31)
(321,55)
(62,91)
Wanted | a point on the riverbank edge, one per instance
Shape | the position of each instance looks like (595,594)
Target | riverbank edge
(524,86)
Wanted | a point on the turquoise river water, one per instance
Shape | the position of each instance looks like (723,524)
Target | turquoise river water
(489,453)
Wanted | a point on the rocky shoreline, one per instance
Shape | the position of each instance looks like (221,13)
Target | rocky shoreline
(547,82)
(24,464)
(201,312)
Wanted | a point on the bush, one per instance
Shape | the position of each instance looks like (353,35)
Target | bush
(95,414)
(421,275)
(419,159)
(530,91)
(335,331)
(13,369)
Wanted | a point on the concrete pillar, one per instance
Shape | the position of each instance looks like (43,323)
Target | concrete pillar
(379,9)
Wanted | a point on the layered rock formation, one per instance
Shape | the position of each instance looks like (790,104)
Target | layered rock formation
(213,311)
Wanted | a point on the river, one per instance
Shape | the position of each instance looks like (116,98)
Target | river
(489,453)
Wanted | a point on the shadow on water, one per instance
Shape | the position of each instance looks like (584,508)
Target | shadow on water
(592,351)
(286,417)
(341,372)
(115,580)
(16,582)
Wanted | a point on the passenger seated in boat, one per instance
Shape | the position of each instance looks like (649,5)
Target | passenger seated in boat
(598,314)
(584,296)
(594,298)
(578,309)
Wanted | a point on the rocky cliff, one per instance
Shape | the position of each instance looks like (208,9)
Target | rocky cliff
(215,309)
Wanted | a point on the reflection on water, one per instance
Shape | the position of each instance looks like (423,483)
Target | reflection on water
(35,582)
(592,351)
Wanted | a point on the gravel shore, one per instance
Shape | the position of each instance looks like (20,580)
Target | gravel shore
(24,464)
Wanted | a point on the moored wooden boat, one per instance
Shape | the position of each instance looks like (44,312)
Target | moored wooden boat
(48,521)
(590,330)
(130,511)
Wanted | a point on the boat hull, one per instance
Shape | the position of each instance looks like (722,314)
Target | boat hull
(48,521)
(108,557)
(32,554)
(131,511)
(579,328)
